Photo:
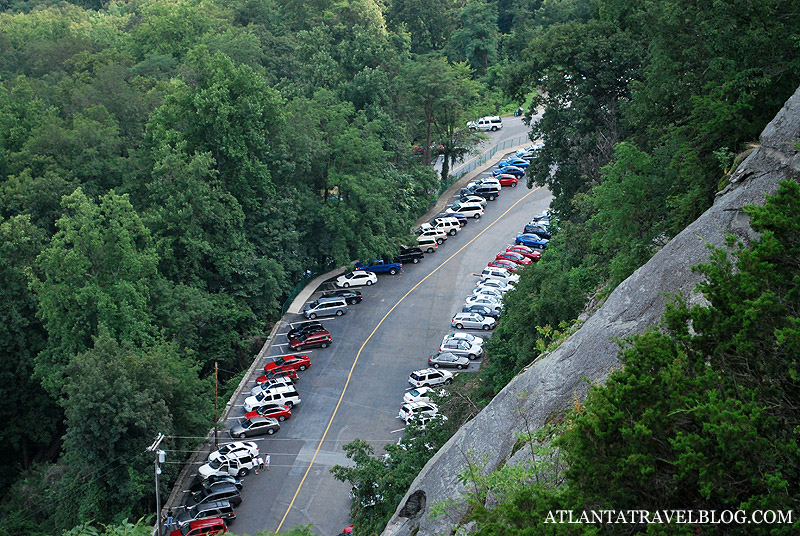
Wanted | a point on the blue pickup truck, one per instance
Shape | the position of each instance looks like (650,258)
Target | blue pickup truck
(380,267)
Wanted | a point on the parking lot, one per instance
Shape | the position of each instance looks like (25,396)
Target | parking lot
(355,387)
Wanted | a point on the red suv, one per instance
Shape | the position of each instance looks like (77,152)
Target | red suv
(204,527)
(320,339)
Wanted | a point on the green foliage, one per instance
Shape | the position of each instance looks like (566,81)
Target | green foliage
(94,275)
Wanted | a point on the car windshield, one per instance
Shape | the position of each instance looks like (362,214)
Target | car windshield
(215,463)
(414,392)
(247,424)
(456,206)
(280,362)
(226,449)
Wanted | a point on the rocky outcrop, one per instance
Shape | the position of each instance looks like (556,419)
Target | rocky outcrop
(549,386)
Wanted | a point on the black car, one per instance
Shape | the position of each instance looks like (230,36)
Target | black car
(481,309)
(350,296)
(302,328)
(462,220)
(217,492)
(413,255)
(487,191)
(199,484)
(539,230)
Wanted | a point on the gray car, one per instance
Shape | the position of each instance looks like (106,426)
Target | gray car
(255,426)
(462,348)
(446,359)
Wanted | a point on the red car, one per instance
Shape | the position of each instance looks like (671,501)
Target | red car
(532,254)
(513,256)
(276,411)
(204,527)
(288,362)
(507,180)
(291,373)
(502,263)
(319,339)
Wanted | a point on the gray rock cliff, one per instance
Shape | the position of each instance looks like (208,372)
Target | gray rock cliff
(550,384)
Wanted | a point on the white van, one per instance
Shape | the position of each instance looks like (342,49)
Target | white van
(486,123)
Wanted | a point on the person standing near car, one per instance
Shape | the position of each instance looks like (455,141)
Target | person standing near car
(267,460)
(259,463)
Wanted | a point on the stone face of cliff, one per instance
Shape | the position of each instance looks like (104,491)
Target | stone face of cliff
(549,386)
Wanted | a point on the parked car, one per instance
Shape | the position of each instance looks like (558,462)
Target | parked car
(427,244)
(275,410)
(462,336)
(202,527)
(301,328)
(325,307)
(509,170)
(446,359)
(235,465)
(462,348)
(288,362)
(514,161)
(202,483)
(513,256)
(352,297)
(462,220)
(320,339)
(380,267)
(486,191)
(489,301)
(494,284)
(508,180)
(409,410)
(470,210)
(483,310)
(532,241)
(213,509)
(429,377)
(356,278)
(449,225)
(492,123)
(422,394)
(488,291)
(467,320)
(275,374)
(412,255)
(426,230)
(233,448)
(467,198)
(533,254)
(537,229)
(496,272)
(502,263)
(221,491)
(279,395)
(255,426)
(271,384)
(493,181)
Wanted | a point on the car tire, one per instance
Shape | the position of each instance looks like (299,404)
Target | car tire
(513,184)
(369,283)
(242,435)
(494,129)
(430,250)
(448,381)
(459,326)
(393,271)
(477,216)
(459,367)
(302,367)
(282,418)
(323,345)
(271,431)
(339,312)
(415,260)
(345,285)
(486,327)
(312,316)
(453,232)
(440,241)
(472,357)
(243,471)
(352,302)
(436,365)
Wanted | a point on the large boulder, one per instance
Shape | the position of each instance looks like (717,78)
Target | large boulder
(551,384)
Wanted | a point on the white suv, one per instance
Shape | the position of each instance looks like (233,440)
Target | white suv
(486,123)
(448,225)
(234,448)
(502,274)
(426,230)
(469,209)
(409,410)
(429,376)
(234,464)
(284,394)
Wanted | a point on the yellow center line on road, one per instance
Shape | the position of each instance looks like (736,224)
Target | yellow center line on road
(355,361)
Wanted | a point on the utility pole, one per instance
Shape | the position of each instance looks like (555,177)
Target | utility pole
(160,458)
(216,411)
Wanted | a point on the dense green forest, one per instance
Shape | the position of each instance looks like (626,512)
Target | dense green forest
(171,171)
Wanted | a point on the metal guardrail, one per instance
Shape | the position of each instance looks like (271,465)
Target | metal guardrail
(482,158)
